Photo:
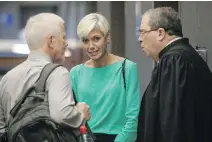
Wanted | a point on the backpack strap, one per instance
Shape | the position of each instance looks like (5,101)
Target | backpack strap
(39,86)
(123,72)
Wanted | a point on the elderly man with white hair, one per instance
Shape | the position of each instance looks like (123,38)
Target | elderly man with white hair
(46,39)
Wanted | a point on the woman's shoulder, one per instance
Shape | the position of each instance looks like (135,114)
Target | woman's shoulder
(128,63)
(75,69)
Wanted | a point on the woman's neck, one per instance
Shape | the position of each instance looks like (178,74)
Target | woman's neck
(103,61)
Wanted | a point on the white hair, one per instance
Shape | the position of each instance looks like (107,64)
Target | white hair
(38,27)
(90,22)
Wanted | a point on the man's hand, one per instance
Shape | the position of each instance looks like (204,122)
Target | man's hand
(85,109)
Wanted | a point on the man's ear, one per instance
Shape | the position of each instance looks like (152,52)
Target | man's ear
(161,34)
(50,41)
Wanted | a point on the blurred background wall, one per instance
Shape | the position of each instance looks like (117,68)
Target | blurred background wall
(124,18)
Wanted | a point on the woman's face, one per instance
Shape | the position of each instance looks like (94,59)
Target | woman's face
(95,44)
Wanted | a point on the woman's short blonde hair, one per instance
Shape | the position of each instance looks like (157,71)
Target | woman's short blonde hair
(90,22)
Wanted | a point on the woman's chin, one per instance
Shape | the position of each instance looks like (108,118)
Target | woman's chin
(96,57)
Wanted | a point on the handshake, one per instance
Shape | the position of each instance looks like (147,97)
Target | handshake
(82,106)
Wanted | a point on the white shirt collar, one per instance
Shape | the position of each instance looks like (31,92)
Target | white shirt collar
(177,38)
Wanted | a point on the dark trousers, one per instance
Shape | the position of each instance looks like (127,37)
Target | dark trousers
(105,137)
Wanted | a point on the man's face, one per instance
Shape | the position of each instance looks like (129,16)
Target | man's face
(95,44)
(148,37)
(59,45)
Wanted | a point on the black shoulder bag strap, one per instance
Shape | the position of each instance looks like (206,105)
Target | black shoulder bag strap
(123,72)
(39,86)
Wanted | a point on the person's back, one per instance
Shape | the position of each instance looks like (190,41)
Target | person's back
(45,36)
(12,84)
(18,79)
(202,108)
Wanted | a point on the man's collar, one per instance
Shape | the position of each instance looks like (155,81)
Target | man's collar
(39,56)
(172,44)
(173,40)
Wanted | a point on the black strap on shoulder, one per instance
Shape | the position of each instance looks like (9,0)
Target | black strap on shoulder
(74,96)
(47,70)
(123,72)
(39,86)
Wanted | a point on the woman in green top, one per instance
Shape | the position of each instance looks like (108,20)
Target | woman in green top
(99,82)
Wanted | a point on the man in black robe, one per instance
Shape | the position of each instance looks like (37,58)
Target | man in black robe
(177,104)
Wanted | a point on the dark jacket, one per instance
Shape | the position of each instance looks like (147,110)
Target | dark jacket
(177,104)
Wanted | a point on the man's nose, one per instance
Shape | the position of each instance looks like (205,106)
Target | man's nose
(139,39)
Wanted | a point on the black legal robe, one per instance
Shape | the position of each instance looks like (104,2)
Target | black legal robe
(177,104)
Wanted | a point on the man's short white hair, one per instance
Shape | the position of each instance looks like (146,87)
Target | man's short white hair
(38,27)
(90,22)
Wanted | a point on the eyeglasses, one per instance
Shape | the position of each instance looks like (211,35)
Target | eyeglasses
(142,32)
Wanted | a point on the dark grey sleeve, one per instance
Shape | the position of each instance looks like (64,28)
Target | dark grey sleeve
(61,103)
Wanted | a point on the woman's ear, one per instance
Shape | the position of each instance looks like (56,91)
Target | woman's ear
(108,37)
